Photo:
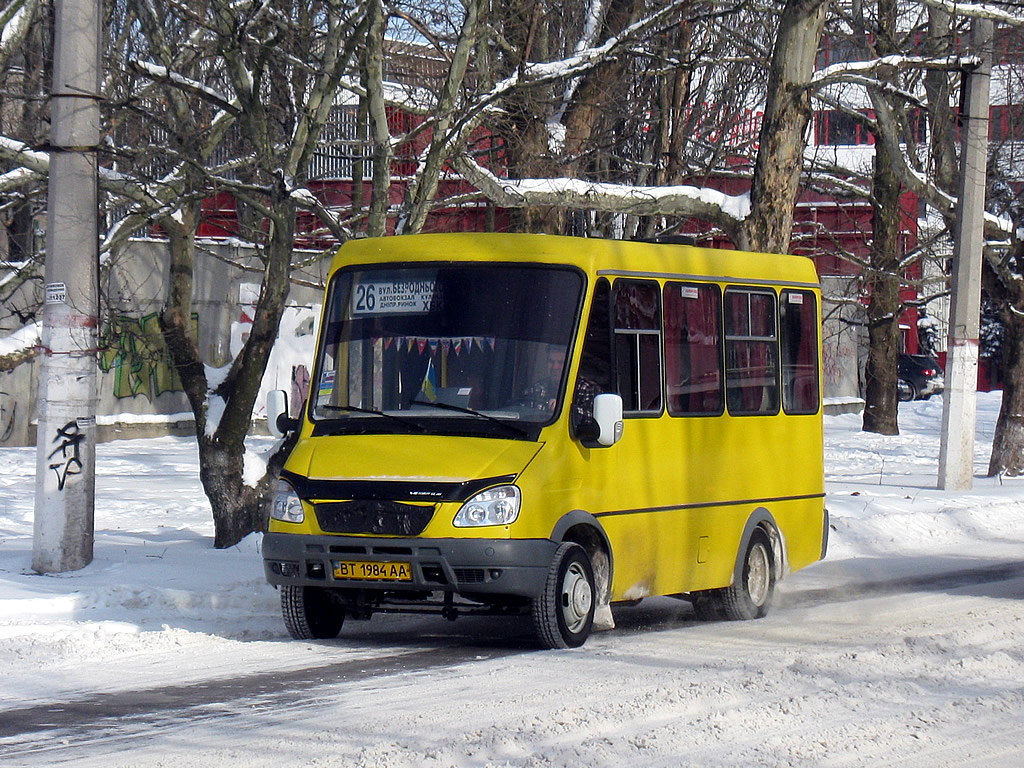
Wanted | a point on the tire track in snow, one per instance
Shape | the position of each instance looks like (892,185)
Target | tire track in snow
(929,582)
(53,726)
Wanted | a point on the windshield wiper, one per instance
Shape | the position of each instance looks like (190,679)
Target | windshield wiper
(515,429)
(373,412)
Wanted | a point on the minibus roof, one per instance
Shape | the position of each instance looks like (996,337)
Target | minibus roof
(595,256)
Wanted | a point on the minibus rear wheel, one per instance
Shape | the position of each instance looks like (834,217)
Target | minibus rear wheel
(563,613)
(751,596)
(748,598)
(310,613)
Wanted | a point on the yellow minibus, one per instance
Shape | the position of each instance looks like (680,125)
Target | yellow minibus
(531,424)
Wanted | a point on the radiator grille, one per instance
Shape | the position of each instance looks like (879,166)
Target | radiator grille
(387,518)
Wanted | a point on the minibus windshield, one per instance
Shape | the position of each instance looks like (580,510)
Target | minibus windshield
(445,348)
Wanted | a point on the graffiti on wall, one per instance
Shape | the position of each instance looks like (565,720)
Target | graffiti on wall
(8,414)
(133,348)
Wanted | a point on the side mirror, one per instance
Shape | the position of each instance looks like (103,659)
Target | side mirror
(605,428)
(608,415)
(278,421)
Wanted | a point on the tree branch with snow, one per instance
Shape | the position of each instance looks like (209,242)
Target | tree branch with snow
(975,11)
(726,211)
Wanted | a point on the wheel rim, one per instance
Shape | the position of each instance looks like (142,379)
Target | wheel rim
(758,574)
(577,598)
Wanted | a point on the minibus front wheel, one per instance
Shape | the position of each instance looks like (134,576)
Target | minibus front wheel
(563,614)
(310,613)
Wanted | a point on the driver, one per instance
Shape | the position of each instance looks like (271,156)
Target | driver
(542,395)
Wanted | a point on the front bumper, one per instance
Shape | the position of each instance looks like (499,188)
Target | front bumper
(464,566)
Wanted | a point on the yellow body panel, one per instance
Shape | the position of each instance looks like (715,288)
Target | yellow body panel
(673,496)
(671,482)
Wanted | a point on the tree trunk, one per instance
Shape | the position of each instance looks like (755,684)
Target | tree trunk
(881,408)
(1008,443)
(787,112)
(176,317)
(587,108)
(1006,290)
(380,131)
(882,372)
(238,509)
(939,42)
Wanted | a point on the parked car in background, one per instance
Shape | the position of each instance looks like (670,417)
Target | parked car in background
(920,377)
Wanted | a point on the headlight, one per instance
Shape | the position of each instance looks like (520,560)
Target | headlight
(286,505)
(495,506)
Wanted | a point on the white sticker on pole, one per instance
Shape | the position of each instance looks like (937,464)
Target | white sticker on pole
(56,293)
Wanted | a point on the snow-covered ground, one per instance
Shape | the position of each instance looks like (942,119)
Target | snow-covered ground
(871,657)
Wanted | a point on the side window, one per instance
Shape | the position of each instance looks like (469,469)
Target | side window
(693,349)
(638,345)
(798,318)
(596,360)
(751,352)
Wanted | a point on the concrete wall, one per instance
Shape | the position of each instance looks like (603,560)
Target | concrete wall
(17,404)
(139,395)
(843,341)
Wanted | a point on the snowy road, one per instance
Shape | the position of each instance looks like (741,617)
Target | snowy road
(903,648)
(887,673)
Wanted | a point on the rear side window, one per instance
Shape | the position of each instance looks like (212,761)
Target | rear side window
(798,320)
(751,352)
(638,345)
(693,349)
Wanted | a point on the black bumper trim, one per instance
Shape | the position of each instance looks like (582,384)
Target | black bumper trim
(516,567)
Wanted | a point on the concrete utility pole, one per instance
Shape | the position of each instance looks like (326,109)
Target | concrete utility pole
(956,448)
(66,437)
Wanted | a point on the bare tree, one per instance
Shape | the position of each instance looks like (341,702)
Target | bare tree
(234,97)
(1003,276)
(24,46)
(762,222)
(885,260)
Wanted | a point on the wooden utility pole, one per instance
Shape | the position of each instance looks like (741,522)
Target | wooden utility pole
(66,437)
(956,448)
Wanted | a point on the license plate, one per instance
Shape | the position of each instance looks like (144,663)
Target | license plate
(365,570)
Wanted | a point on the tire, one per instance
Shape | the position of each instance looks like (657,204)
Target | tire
(563,614)
(310,613)
(751,596)
(905,391)
(748,598)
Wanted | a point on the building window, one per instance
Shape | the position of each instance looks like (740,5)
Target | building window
(833,128)
(1006,122)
